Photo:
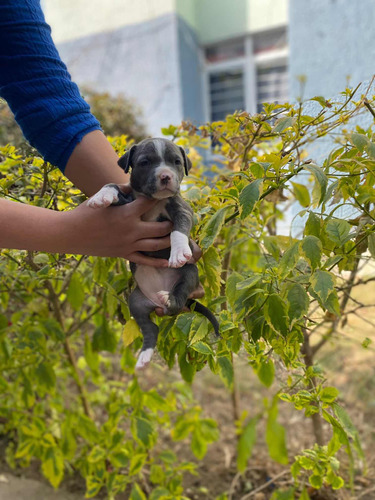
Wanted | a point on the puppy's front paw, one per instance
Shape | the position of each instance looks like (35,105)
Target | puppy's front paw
(144,358)
(104,198)
(179,257)
(180,250)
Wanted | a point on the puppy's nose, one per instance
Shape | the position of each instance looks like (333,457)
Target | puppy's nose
(165,179)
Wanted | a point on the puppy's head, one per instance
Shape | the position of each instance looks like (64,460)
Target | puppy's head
(158,167)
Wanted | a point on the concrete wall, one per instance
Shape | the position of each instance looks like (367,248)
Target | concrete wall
(71,19)
(331,40)
(140,61)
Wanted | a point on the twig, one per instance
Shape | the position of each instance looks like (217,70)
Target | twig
(265,485)
(368,106)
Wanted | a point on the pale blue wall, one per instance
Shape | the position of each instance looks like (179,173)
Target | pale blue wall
(140,61)
(191,74)
(329,41)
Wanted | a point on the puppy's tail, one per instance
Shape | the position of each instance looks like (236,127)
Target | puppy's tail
(201,309)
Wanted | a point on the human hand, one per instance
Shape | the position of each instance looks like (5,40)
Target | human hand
(117,231)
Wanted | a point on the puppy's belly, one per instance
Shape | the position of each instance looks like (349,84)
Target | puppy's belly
(152,280)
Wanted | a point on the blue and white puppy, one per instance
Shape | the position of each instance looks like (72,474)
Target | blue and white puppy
(158,167)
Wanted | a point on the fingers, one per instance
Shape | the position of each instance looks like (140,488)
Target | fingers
(197,252)
(156,229)
(138,258)
(153,245)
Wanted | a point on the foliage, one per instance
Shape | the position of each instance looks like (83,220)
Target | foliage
(70,397)
(118,115)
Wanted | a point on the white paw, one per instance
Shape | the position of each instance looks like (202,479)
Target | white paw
(103,198)
(179,256)
(180,250)
(144,358)
(163,296)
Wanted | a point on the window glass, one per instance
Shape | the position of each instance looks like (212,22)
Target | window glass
(272,84)
(226,93)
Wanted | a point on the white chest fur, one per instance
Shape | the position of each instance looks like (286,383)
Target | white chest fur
(153,214)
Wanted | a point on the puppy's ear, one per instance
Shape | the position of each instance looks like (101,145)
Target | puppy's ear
(125,162)
(187,162)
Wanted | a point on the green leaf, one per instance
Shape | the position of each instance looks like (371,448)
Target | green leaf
(46,375)
(53,465)
(75,293)
(187,370)
(360,141)
(137,493)
(203,348)
(311,248)
(275,436)
(282,124)
(249,196)
(276,314)
(329,394)
(323,284)
(321,183)
(104,338)
(302,194)
(87,429)
(298,302)
(212,267)
(212,227)
(289,259)
(249,282)
(266,372)
(225,371)
(130,332)
(312,226)
(143,430)
(337,231)
(198,444)
(316,481)
(245,444)
(137,461)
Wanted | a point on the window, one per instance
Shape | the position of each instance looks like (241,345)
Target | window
(225,51)
(226,93)
(243,73)
(272,84)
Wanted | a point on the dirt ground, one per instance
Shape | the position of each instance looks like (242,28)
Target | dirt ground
(349,366)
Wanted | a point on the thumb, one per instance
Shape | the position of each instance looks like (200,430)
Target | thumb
(141,205)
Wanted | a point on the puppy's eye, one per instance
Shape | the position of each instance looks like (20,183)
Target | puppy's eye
(177,161)
(144,163)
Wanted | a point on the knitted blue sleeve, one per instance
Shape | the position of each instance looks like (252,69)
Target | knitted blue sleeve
(37,86)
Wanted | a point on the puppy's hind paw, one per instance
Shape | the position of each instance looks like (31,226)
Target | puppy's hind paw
(103,198)
(144,358)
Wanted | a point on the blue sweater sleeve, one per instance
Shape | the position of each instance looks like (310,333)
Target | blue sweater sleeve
(36,84)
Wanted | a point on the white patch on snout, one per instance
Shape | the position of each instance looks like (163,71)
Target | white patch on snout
(180,250)
(144,358)
(103,198)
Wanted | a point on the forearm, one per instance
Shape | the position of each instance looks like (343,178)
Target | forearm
(93,164)
(26,227)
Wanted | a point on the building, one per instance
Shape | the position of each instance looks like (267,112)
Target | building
(177,59)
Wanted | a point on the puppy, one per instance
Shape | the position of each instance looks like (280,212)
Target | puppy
(158,167)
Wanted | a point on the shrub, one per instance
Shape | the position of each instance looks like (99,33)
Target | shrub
(70,397)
